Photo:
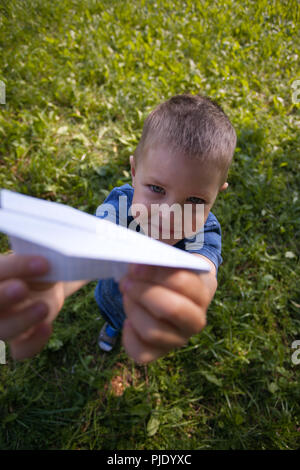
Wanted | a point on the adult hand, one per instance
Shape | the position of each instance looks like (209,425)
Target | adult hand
(27,308)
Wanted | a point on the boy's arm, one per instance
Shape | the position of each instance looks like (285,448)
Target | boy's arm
(209,278)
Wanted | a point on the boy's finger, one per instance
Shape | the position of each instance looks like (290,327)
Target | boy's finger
(136,349)
(183,281)
(149,329)
(149,271)
(168,305)
(33,344)
(22,266)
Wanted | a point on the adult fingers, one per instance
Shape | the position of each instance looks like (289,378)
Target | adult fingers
(22,348)
(11,292)
(15,323)
(22,266)
(40,286)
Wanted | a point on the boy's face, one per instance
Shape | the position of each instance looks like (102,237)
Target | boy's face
(163,177)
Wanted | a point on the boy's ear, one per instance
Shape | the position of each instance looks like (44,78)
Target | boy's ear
(132,169)
(224,186)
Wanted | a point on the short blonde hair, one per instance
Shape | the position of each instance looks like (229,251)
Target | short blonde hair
(193,125)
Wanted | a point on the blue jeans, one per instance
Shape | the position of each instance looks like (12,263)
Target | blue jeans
(110,302)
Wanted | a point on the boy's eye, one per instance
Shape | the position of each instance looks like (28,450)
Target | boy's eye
(197,200)
(155,189)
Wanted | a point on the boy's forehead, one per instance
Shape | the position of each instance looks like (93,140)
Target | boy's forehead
(159,158)
(166,166)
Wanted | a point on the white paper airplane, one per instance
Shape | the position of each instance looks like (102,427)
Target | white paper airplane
(79,245)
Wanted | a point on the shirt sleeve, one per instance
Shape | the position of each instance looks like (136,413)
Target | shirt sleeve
(114,208)
(207,242)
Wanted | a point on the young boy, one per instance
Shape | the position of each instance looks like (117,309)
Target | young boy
(182,158)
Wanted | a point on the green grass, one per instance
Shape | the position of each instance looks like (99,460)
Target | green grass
(80,78)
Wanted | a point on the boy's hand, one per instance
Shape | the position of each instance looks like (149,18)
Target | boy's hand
(164,308)
(27,313)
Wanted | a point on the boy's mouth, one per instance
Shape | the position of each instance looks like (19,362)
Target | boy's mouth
(167,232)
